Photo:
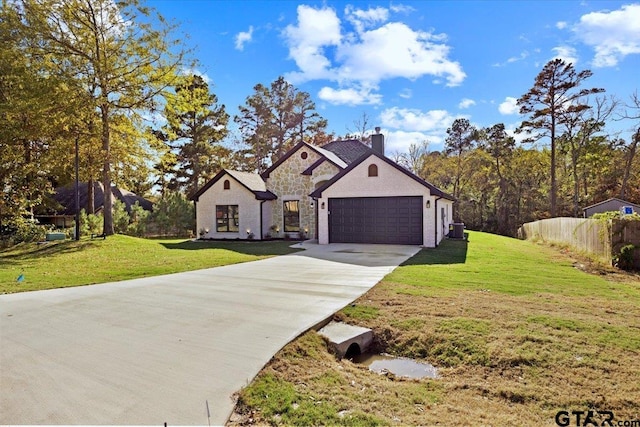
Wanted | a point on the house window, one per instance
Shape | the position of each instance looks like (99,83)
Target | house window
(227,218)
(227,184)
(291,215)
(373,170)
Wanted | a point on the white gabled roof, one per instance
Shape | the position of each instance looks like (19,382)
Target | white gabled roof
(330,156)
(252,181)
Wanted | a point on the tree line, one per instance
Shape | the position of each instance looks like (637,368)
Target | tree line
(97,73)
(567,159)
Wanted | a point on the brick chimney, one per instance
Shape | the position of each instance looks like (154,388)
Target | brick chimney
(377,142)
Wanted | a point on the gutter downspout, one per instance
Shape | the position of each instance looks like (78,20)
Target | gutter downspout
(317,233)
(261,225)
(195,213)
(436,221)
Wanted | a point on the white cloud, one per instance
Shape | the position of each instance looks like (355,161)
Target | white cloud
(156,119)
(376,51)
(350,96)
(613,34)
(509,106)
(244,37)
(405,93)
(401,8)
(405,126)
(520,57)
(523,55)
(399,140)
(510,129)
(395,50)
(416,120)
(316,29)
(561,25)
(363,19)
(567,53)
(193,71)
(466,103)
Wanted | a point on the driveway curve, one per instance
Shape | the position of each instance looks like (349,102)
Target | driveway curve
(163,349)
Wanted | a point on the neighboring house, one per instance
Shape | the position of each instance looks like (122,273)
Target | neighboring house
(343,192)
(609,205)
(64,214)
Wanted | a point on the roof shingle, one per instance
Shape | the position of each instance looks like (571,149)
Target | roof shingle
(349,150)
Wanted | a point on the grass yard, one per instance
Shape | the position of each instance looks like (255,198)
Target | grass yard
(70,263)
(518,331)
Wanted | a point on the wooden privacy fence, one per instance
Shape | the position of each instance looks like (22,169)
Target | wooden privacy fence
(602,239)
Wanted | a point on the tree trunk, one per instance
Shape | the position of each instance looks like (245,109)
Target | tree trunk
(91,193)
(106,169)
(554,185)
(576,183)
(629,163)
(91,197)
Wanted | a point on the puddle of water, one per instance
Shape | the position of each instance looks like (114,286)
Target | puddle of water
(400,366)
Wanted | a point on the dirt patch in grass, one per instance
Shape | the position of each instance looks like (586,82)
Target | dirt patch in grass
(507,354)
(306,385)
(595,267)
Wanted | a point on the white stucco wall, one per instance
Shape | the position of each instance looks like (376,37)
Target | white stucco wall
(443,223)
(390,182)
(248,210)
(267,217)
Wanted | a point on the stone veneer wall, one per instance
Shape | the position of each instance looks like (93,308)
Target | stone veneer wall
(288,183)
(324,172)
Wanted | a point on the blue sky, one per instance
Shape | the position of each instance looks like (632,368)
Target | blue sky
(412,67)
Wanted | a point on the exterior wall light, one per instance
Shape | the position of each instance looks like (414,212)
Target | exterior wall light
(428,204)
(322,205)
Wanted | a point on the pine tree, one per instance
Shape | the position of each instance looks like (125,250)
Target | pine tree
(554,93)
(196,125)
(461,138)
(273,120)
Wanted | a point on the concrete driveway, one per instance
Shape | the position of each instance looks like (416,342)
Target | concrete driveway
(159,349)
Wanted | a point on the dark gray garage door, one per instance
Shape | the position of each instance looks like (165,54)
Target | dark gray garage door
(391,220)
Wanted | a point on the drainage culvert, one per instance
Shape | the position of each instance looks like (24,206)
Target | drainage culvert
(353,342)
(347,340)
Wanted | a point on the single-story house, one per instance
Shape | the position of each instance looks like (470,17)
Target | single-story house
(63,212)
(609,205)
(342,192)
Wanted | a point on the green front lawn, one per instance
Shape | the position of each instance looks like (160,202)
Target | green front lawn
(517,330)
(70,263)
